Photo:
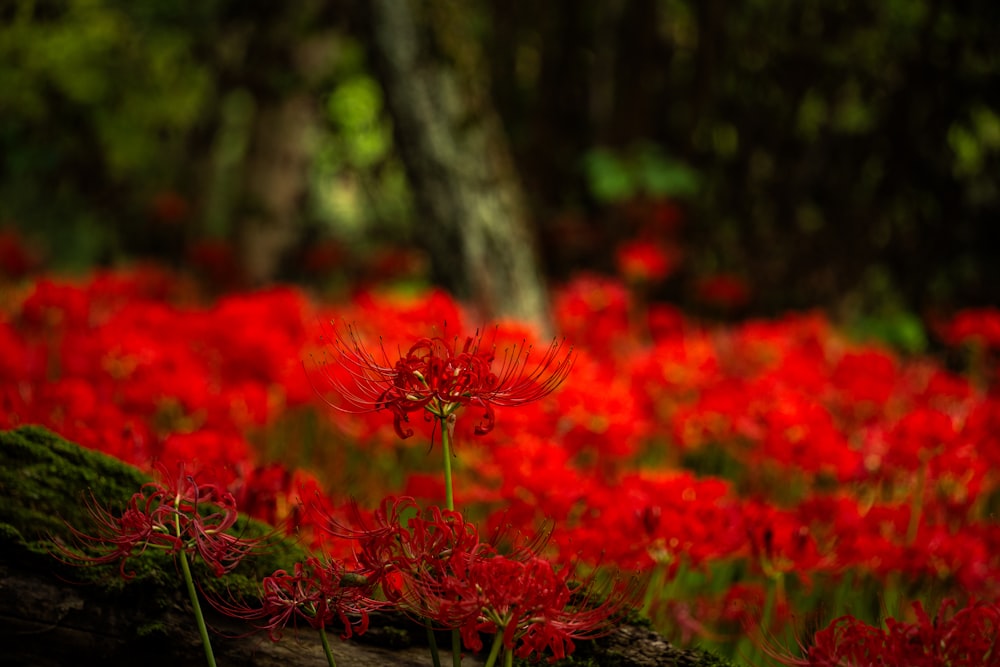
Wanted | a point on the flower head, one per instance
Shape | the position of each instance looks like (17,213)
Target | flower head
(173,515)
(320,593)
(439,376)
(424,544)
(530,604)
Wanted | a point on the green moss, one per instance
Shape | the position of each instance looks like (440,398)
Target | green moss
(46,483)
(152,629)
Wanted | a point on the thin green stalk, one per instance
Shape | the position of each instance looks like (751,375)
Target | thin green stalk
(193,594)
(654,590)
(456,649)
(432,642)
(326,648)
(198,617)
(449,498)
(774,592)
(494,650)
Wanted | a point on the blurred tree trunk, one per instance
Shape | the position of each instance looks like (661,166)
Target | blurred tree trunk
(271,61)
(457,157)
(276,183)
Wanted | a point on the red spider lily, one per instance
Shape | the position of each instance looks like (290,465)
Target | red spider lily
(437,376)
(322,593)
(169,516)
(966,638)
(523,598)
(435,568)
(423,546)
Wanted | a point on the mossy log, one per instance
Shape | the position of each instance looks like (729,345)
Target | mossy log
(56,614)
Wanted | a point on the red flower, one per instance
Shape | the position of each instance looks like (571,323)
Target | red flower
(425,544)
(321,593)
(973,325)
(16,258)
(435,568)
(523,598)
(966,638)
(168,516)
(170,208)
(645,261)
(723,290)
(439,377)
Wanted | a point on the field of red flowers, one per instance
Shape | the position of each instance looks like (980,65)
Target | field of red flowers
(765,478)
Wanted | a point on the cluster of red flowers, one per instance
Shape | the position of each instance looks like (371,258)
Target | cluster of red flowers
(963,638)
(434,566)
(132,365)
(779,455)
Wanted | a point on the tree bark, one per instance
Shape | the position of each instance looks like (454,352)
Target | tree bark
(276,184)
(456,155)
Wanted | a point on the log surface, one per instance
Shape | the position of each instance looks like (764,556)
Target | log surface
(52,614)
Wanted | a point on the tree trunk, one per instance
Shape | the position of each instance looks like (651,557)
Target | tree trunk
(452,143)
(276,184)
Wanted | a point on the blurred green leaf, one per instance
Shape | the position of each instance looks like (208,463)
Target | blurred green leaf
(902,331)
(608,178)
(644,170)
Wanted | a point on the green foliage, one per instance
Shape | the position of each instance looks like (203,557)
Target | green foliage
(359,184)
(355,107)
(867,136)
(876,311)
(98,110)
(644,170)
(900,330)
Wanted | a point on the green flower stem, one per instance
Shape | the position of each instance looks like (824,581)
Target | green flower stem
(432,641)
(655,590)
(198,617)
(449,497)
(326,648)
(494,650)
(192,593)
(456,648)
(449,500)
(508,658)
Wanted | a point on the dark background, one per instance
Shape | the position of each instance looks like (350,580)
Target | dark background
(834,154)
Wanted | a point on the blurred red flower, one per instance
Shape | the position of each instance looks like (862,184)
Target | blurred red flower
(963,638)
(980,325)
(644,261)
(723,290)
